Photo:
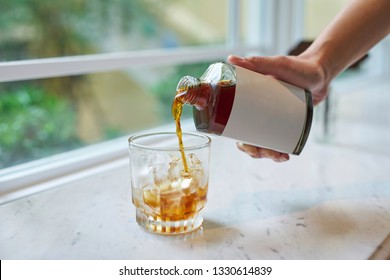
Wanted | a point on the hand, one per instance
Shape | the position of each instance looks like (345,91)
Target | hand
(301,71)
(257,152)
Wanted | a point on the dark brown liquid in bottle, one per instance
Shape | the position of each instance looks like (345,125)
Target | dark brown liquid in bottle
(211,109)
(215,115)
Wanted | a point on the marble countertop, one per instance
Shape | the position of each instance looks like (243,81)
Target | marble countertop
(331,202)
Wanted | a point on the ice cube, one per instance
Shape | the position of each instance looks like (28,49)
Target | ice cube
(186,182)
(193,161)
(160,174)
(136,195)
(151,198)
(170,205)
(175,169)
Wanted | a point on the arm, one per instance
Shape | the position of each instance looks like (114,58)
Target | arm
(352,33)
(355,30)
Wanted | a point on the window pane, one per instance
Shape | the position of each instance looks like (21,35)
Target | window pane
(250,22)
(355,110)
(45,28)
(45,117)
(318,13)
(39,118)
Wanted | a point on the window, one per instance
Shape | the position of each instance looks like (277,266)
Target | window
(76,75)
(318,13)
(41,28)
(355,109)
(53,105)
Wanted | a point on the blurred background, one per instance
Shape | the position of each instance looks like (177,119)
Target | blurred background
(44,117)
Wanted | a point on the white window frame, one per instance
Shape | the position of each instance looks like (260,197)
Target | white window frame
(38,175)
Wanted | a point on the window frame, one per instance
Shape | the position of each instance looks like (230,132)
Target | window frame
(38,175)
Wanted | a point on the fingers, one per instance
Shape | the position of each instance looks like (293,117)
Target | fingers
(240,61)
(298,71)
(257,152)
(260,64)
(320,95)
(279,67)
(288,69)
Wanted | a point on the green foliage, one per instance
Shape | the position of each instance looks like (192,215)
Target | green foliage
(34,124)
(38,118)
(46,28)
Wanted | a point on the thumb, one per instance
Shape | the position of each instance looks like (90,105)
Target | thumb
(280,67)
(273,66)
(241,61)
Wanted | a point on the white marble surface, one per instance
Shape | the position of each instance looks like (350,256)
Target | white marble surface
(331,202)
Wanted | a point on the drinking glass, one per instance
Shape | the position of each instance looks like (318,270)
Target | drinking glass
(168,197)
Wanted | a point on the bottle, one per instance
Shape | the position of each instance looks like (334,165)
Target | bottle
(250,107)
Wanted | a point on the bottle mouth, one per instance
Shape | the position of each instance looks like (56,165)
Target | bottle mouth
(187,82)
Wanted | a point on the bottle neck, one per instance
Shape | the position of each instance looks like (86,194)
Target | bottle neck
(198,95)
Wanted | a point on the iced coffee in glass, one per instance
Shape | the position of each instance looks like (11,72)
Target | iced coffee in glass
(169,191)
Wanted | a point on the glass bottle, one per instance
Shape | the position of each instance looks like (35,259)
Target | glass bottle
(250,107)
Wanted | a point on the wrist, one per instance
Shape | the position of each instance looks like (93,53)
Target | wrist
(326,70)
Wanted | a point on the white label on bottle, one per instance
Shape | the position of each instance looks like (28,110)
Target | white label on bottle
(266,112)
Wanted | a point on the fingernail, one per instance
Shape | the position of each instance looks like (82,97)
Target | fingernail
(252,151)
(234,57)
(282,158)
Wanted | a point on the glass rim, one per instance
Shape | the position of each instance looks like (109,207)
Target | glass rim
(140,135)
